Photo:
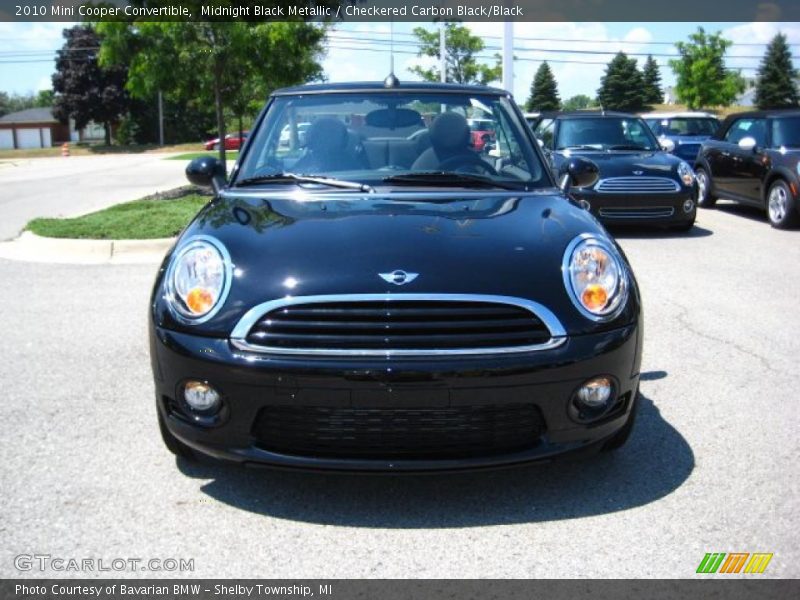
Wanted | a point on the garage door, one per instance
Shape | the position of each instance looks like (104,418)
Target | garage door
(28,138)
(6,139)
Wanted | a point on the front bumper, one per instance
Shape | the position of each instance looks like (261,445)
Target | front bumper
(654,209)
(250,384)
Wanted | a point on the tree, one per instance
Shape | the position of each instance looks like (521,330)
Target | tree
(15,102)
(621,86)
(651,81)
(233,63)
(544,90)
(461,63)
(85,91)
(776,85)
(702,79)
(579,102)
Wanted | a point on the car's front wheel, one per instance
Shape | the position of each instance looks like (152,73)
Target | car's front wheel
(173,444)
(618,439)
(781,205)
(705,193)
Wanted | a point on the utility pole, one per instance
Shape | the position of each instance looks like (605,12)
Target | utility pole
(508,57)
(160,119)
(442,54)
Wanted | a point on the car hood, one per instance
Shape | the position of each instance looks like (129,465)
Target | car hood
(505,243)
(623,164)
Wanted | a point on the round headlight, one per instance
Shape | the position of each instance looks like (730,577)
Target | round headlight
(198,279)
(686,173)
(595,277)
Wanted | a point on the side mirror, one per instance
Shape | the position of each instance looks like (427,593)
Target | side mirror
(206,171)
(667,144)
(577,172)
(747,143)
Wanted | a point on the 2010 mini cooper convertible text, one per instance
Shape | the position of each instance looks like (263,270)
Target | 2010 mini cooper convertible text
(381,295)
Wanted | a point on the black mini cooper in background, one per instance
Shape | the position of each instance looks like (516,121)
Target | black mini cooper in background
(381,294)
(754,159)
(640,182)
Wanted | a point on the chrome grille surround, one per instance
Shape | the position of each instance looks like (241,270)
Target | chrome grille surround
(241,332)
(637,185)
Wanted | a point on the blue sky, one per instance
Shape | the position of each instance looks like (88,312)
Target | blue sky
(352,56)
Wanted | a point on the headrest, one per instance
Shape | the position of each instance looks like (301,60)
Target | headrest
(326,133)
(449,131)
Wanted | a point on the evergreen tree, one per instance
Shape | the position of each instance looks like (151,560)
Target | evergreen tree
(775,84)
(651,78)
(621,88)
(544,90)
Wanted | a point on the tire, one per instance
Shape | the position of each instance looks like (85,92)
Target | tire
(705,189)
(618,439)
(781,205)
(173,444)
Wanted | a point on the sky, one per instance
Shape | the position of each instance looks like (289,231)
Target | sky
(360,51)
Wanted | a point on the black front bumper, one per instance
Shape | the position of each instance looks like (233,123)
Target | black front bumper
(641,209)
(433,390)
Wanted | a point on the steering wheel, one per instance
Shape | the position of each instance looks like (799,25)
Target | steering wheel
(465,160)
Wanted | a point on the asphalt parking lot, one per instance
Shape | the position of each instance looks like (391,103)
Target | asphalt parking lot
(711,467)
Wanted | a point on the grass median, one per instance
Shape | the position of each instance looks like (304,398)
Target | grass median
(145,219)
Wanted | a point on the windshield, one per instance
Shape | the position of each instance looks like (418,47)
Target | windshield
(786,132)
(605,133)
(393,138)
(689,126)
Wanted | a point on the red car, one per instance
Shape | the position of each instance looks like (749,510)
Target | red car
(482,132)
(232,141)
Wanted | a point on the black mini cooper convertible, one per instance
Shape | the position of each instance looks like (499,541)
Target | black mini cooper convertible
(380,294)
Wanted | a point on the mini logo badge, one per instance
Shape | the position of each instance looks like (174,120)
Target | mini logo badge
(399,277)
(638,172)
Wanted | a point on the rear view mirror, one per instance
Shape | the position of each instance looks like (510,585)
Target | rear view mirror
(667,144)
(577,172)
(206,171)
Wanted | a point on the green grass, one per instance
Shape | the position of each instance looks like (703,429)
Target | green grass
(229,154)
(138,220)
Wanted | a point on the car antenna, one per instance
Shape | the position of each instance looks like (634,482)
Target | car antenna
(391,80)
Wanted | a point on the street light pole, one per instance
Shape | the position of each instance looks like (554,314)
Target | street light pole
(442,54)
(508,57)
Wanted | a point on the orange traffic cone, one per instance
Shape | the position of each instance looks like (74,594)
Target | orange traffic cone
(65,149)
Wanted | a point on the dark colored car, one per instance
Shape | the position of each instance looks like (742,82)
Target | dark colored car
(754,159)
(387,298)
(682,133)
(233,141)
(640,183)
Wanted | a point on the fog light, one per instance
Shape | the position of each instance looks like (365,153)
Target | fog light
(688,206)
(201,397)
(595,393)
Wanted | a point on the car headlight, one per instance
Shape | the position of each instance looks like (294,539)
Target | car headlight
(686,173)
(198,279)
(595,277)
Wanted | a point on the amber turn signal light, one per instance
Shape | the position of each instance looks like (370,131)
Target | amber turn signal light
(199,300)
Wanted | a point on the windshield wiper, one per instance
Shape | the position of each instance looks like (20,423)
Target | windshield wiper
(295,178)
(628,147)
(579,147)
(449,178)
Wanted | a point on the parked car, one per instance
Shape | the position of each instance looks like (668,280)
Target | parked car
(390,299)
(639,181)
(233,141)
(284,140)
(482,132)
(754,159)
(685,131)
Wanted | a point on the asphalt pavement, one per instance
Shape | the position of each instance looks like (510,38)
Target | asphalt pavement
(712,465)
(65,187)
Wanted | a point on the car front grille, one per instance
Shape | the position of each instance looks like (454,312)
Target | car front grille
(645,212)
(637,185)
(402,324)
(395,433)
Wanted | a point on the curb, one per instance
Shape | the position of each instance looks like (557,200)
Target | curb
(33,248)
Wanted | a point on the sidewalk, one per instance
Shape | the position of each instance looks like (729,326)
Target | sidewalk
(33,248)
